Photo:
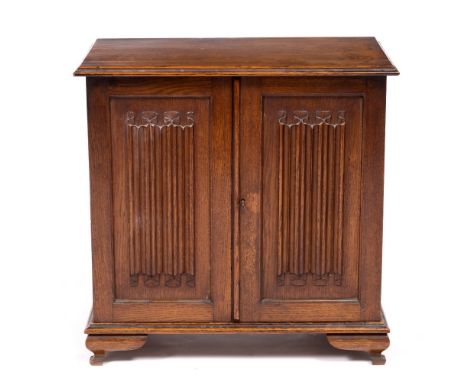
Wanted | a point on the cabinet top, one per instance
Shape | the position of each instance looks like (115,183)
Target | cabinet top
(298,56)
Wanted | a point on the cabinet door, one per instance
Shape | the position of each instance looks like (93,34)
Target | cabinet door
(160,177)
(311,167)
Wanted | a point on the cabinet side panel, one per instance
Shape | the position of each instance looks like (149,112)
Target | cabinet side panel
(100,170)
(372,199)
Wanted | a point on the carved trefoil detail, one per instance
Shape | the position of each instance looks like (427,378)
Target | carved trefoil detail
(310,202)
(160,171)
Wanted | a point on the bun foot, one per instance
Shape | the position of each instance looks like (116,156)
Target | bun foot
(374,344)
(377,358)
(100,345)
(97,359)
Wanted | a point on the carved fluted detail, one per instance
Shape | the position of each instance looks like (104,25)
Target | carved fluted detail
(160,185)
(310,203)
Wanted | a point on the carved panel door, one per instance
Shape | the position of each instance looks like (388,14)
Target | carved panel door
(301,147)
(171,145)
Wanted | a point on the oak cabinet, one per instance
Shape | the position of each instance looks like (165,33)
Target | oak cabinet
(233,192)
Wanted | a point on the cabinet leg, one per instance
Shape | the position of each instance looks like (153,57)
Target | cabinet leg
(377,358)
(100,345)
(98,358)
(374,344)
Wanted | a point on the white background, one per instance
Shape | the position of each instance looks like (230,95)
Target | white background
(45,259)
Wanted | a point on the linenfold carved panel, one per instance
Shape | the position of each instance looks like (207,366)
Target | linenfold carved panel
(160,170)
(310,203)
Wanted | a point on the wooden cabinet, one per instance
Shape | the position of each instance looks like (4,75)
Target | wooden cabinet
(236,192)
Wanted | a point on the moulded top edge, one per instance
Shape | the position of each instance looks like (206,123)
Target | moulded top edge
(298,56)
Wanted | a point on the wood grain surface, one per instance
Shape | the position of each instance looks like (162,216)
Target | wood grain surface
(299,56)
(237,187)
